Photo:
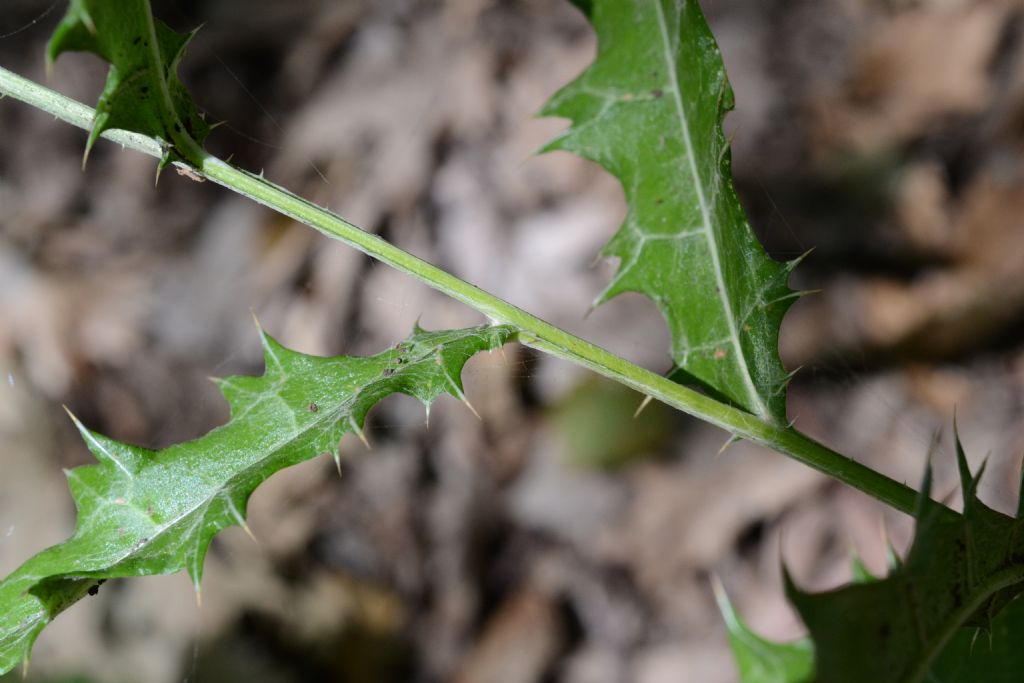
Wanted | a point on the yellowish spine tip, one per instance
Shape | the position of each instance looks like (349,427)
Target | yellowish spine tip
(725,446)
(248,532)
(78,423)
(359,432)
(640,408)
(471,408)
(719,590)
(199,596)
(337,462)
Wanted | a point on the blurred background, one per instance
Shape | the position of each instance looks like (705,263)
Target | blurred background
(556,539)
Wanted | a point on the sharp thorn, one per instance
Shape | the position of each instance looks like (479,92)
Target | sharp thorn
(74,419)
(359,432)
(717,588)
(728,442)
(248,531)
(337,461)
(974,639)
(725,607)
(471,408)
(640,408)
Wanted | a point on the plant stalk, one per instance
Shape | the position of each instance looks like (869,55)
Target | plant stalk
(534,332)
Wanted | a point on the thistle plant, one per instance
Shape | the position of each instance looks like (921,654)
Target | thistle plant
(649,110)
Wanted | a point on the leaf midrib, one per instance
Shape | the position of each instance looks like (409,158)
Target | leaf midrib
(289,439)
(760,409)
(187,146)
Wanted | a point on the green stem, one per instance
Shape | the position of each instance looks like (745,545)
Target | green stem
(534,332)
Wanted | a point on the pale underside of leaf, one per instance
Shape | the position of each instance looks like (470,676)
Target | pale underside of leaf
(155,512)
(649,110)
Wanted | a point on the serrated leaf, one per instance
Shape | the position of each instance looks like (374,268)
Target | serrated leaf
(962,569)
(763,661)
(143,93)
(155,512)
(649,110)
(990,655)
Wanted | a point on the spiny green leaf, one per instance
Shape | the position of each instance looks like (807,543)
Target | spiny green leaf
(991,656)
(143,92)
(760,660)
(962,569)
(649,110)
(155,512)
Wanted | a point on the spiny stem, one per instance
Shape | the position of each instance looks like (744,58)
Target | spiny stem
(534,332)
